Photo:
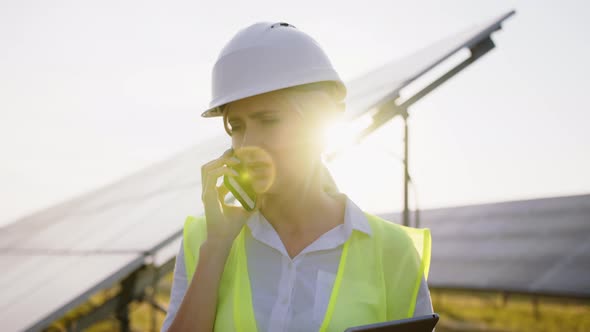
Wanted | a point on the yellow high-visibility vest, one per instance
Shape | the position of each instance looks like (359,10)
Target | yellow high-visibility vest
(377,280)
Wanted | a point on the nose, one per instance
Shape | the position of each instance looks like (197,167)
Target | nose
(249,138)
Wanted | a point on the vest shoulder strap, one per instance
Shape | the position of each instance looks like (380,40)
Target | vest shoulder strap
(396,236)
(194,234)
(397,241)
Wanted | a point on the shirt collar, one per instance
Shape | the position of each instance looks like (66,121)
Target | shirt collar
(354,219)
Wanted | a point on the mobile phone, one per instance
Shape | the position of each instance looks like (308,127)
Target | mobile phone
(241,187)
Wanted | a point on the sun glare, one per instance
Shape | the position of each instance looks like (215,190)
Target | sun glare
(341,135)
(364,170)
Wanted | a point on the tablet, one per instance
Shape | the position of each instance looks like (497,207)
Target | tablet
(424,323)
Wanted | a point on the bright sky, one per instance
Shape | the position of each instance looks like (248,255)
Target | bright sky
(93,91)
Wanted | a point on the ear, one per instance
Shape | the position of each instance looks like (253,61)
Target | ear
(226,123)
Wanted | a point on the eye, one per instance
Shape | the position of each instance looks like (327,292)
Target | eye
(270,121)
(235,127)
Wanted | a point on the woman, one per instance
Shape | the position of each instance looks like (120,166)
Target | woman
(306,258)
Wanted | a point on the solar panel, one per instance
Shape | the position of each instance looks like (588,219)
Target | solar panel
(384,83)
(41,288)
(168,252)
(132,215)
(53,260)
(537,246)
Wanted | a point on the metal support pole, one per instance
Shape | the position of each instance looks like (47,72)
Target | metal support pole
(406,213)
(152,297)
(122,315)
(122,310)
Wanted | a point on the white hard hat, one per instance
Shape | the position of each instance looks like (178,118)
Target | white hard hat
(265,57)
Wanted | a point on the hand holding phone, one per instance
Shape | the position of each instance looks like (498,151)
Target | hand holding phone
(241,187)
(224,221)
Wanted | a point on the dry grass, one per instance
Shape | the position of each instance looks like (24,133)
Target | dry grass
(459,311)
(465,311)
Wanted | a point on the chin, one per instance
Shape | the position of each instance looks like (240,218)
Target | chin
(263,186)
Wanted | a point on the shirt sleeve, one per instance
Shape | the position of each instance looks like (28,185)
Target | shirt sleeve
(423,301)
(179,286)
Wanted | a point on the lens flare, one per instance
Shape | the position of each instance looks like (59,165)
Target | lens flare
(259,168)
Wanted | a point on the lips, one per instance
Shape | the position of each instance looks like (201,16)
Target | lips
(258,170)
(257,166)
(261,172)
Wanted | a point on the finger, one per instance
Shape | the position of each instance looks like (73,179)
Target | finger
(226,158)
(209,189)
(222,191)
(228,152)
(214,164)
(220,162)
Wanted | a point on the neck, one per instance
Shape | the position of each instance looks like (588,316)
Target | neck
(306,208)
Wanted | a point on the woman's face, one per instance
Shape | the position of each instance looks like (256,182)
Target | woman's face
(277,145)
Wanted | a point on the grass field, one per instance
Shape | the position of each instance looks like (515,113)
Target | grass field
(459,311)
(464,311)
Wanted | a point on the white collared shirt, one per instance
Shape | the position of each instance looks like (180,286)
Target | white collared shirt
(290,294)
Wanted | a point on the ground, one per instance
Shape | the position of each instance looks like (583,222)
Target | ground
(459,311)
